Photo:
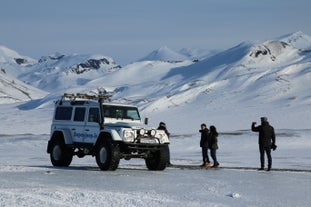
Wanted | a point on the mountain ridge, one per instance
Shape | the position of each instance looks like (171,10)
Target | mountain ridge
(272,76)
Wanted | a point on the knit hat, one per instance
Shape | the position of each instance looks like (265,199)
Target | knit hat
(264,119)
(162,124)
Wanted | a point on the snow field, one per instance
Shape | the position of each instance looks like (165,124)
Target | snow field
(27,177)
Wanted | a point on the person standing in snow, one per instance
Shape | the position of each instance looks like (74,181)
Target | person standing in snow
(162,126)
(204,145)
(266,141)
(213,144)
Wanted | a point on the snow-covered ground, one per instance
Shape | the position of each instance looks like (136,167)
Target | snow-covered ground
(27,177)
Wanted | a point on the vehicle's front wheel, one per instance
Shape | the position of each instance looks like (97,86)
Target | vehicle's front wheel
(157,160)
(60,155)
(107,155)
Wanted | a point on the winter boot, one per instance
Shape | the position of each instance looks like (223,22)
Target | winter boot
(208,165)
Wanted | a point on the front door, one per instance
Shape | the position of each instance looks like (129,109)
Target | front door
(92,127)
(78,124)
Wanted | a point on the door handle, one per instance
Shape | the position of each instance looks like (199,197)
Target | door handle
(87,130)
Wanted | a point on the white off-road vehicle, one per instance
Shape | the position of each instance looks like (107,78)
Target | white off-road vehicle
(86,125)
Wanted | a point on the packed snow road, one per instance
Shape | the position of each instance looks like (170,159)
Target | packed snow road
(27,177)
(87,186)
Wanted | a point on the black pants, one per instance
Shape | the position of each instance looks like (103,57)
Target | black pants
(213,155)
(263,150)
(168,162)
(205,155)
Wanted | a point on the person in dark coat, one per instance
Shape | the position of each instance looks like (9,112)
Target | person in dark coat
(213,144)
(204,145)
(266,141)
(162,126)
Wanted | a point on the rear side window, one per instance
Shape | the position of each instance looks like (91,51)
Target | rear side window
(79,114)
(63,113)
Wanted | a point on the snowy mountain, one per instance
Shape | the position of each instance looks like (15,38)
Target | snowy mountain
(250,80)
(184,54)
(197,54)
(60,72)
(13,90)
(11,62)
(10,56)
(23,78)
(165,54)
(298,40)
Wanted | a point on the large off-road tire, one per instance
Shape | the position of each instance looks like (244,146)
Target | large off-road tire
(60,155)
(107,155)
(157,160)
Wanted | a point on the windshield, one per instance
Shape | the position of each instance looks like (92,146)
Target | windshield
(121,112)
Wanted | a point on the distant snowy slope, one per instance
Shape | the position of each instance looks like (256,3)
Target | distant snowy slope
(164,54)
(60,72)
(11,56)
(11,62)
(169,55)
(246,81)
(298,40)
(265,79)
(197,54)
(12,90)
(51,73)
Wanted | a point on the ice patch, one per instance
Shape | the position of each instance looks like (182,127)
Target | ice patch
(234,195)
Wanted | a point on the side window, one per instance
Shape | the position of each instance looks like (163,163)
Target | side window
(79,114)
(63,113)
(109,112)
(119,113)
(93,115)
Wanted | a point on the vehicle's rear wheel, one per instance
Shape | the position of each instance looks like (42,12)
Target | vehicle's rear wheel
(107,155)
(157,160)
(60,155)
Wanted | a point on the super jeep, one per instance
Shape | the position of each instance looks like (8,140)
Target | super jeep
(86,125)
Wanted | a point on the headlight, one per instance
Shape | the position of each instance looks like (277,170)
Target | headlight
(128,135)
(141,132)
(153,132)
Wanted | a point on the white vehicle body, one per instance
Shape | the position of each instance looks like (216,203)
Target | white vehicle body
(85,125)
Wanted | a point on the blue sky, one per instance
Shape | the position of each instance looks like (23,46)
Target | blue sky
(128,30)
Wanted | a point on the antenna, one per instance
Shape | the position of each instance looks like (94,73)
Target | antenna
(103,94)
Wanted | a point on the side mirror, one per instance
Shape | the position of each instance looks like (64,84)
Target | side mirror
(146,121)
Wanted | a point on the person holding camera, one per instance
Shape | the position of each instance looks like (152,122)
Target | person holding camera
(266,141)
(162,126)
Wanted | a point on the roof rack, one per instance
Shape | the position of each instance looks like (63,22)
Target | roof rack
(73,97)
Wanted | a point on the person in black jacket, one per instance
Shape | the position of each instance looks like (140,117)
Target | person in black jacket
(266,141)
(204,145)
(162,126)
(213,144)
